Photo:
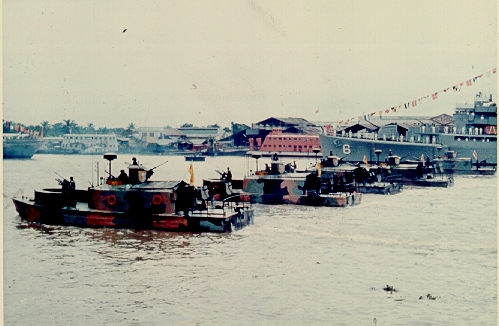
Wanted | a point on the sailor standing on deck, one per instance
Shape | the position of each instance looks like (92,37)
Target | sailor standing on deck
(123,177)
(71,193)
(207,196)
(72,184)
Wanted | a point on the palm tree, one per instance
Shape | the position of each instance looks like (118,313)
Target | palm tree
(45,128)
(129,130)
(90,128)
(69,124)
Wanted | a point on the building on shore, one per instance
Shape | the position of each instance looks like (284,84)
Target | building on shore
(89,143)
(284,135)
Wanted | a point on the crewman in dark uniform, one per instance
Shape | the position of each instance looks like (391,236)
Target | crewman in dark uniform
(71,193)
(123,177)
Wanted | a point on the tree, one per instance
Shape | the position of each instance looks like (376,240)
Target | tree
(46,127)
(70,126)
(90,129)
(130,129)
(58,129)
(187,125)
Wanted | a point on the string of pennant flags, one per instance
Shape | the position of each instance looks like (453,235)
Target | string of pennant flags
(17,127)
(418,101)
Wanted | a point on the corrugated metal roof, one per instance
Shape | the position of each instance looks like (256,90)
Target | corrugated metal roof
(286,121)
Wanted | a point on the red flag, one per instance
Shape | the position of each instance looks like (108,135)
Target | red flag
(469,82)
(494,70)
(414,103)
(434,96)
(475,156)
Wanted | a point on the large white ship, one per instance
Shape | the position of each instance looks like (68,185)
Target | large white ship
(20,145)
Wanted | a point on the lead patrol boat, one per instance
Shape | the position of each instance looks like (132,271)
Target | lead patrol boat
(137,203)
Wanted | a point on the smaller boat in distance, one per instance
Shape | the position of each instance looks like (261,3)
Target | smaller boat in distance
(195,157)
(133,201)
(19,145)
(215,148)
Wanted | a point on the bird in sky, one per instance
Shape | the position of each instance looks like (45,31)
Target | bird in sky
(124,30)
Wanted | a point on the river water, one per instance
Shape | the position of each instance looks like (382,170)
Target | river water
(294,266)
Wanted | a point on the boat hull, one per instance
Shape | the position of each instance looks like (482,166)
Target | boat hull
(466,166)
(20,148)
(443,183)
(354,149)
(327,200)
(82,216)
(292,189)
(408,175)
(195,158)
(379,188)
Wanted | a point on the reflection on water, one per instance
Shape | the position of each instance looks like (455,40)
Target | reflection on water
(149,244)
(294,265)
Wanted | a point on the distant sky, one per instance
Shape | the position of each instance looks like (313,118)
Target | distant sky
(158,63)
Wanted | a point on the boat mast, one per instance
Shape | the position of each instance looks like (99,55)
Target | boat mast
(97,167)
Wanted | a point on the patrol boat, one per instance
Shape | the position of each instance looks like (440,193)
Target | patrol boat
(135,202)
(423,173)
(281,183)
(451,164)
(474,132)
(374,179)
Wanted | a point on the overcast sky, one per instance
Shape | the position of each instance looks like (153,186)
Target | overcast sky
(208,62)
